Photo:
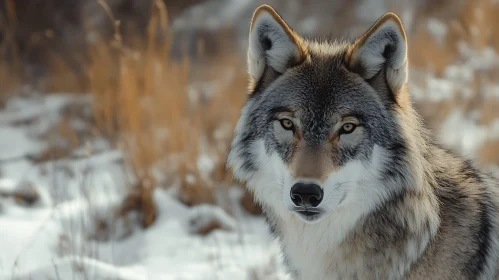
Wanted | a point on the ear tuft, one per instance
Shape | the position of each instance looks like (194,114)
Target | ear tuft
(382,48)
(272,43)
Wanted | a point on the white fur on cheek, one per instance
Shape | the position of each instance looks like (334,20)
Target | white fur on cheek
(368,191)
(282,50)
(356,183)
(267,184)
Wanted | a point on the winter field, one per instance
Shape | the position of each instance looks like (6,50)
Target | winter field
(112,163)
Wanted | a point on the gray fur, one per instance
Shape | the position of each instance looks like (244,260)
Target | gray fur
(431,215)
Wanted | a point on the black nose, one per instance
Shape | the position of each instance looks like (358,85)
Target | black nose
(306,194)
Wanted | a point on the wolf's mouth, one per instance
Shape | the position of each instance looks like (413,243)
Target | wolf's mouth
(308,214)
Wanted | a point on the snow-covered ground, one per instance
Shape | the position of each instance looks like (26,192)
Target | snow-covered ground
(71,231)
(58,237)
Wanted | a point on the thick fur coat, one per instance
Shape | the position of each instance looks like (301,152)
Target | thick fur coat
(350,181)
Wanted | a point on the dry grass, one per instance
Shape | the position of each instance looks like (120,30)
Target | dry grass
(155,108)
(10,64)
(127,86)
(142,98)
(62,76)
(474,23)
(9,83)
(489,152)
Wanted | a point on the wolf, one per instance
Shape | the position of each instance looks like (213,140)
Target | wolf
(351,182)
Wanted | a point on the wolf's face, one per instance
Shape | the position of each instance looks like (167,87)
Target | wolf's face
(320,128)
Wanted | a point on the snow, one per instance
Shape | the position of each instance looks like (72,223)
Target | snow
(201,216)
(458,77)
(205,164)
(72,231)
(15,144)
(59,237)
(170,249)
(469,136)
(437,29)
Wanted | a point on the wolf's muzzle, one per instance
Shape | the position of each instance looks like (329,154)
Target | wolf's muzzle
(306,194)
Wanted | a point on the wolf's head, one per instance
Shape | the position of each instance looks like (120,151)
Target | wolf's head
(325,124)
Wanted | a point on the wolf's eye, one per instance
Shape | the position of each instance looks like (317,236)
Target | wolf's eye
(347,128)
(287,124)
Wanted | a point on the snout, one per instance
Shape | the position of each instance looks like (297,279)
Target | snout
(306,198)
(306,195)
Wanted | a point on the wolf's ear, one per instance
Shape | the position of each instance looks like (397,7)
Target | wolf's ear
(273,46)
(381,54)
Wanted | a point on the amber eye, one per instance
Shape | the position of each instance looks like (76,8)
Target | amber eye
(348,128)
(287,124)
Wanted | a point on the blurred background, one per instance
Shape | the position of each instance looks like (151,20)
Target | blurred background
(116,117)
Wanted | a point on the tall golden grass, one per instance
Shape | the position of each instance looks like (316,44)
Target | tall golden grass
(10,66)
(149,104)
(141,100)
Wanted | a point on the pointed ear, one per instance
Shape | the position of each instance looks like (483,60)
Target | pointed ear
(273,46)
(380,54)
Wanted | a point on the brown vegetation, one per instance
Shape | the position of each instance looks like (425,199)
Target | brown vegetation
(170,112)
(141,99)
(489,152)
